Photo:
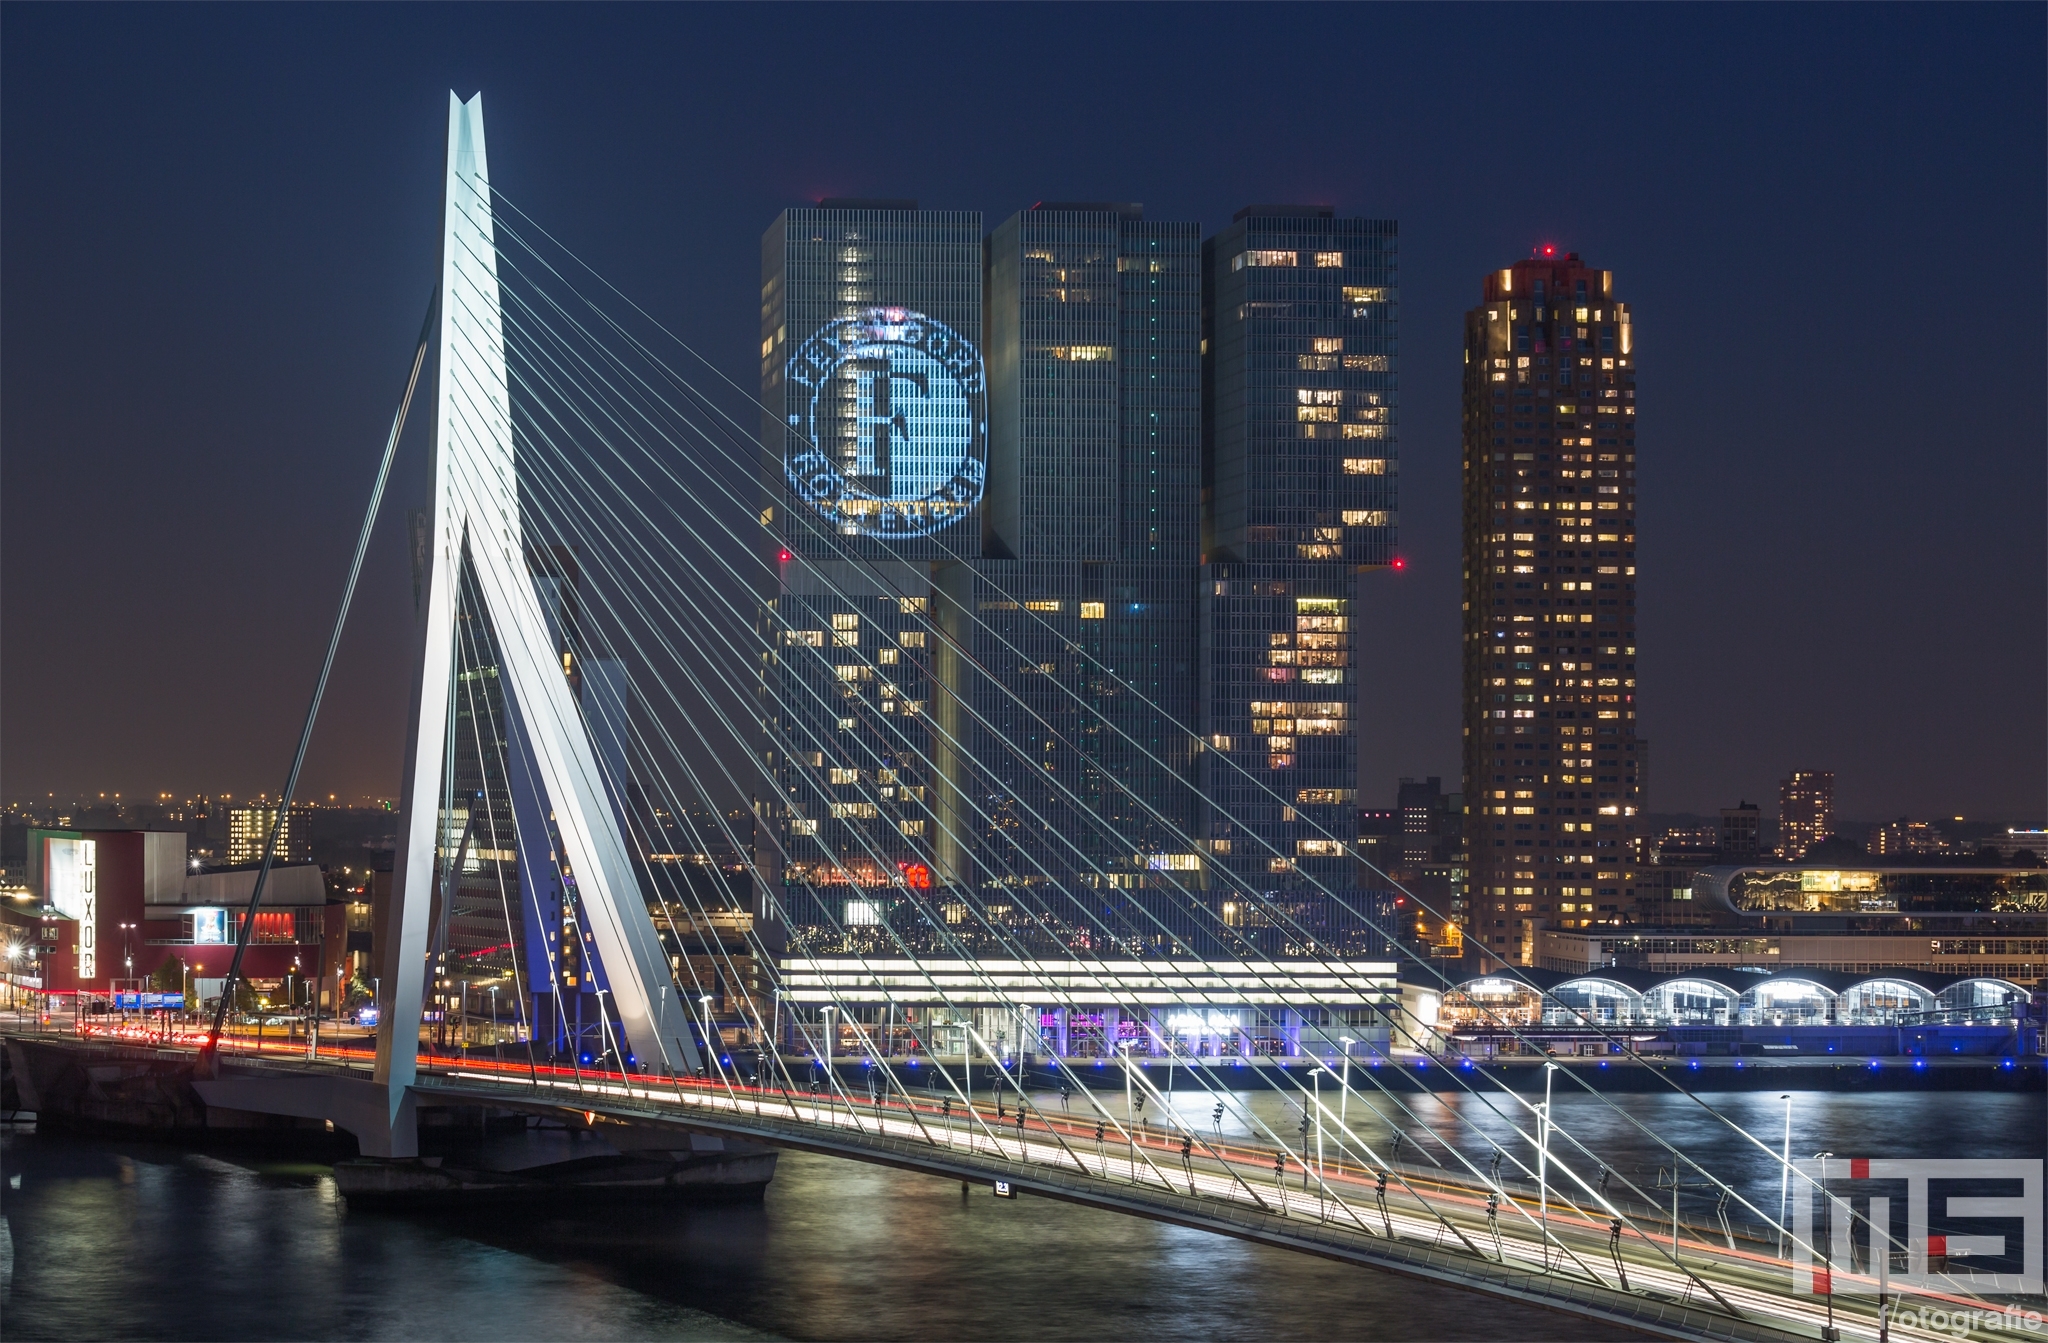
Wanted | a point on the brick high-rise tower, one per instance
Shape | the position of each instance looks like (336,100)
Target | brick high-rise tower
(1555,775)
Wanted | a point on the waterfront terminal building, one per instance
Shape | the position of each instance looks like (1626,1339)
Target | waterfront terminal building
(1955,921)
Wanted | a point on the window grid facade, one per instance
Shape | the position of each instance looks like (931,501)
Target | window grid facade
(1300,470)
(829,263)
(1044,795)
(1555,775)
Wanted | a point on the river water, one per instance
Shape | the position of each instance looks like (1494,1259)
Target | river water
(104,1239)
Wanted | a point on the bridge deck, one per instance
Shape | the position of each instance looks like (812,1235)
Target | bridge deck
(1429,1224)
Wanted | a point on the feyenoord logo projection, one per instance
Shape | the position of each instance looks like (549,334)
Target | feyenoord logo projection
(891,438)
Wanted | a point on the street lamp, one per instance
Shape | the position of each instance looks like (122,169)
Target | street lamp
(1317,1078)
(497,1046)
(710,1053)
(1344,1101)
(1784,1173)
(1826,1246)
(604,1032)
(1543,1169)
(1130,1134)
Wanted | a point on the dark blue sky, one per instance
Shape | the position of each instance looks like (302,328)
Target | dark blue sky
(219,228)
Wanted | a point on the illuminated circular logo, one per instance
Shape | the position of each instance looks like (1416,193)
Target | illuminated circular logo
(892,437)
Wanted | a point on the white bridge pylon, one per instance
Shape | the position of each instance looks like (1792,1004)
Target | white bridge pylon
(476,514)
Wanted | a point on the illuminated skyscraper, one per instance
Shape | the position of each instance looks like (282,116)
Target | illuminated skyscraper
(1024,680)
(1555,776)
(1299,473)
(876,430)
(1806,811)
(1093,343)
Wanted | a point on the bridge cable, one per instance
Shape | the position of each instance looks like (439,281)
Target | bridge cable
(210,1051)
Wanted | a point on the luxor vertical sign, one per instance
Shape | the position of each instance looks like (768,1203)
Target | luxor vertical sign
(72,865)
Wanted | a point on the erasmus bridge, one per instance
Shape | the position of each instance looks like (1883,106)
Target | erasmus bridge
(596,503)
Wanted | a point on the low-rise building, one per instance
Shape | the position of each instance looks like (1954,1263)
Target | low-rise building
(1942,920)
(1087,1009)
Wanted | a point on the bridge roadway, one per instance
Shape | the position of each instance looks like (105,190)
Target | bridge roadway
(1427,1224)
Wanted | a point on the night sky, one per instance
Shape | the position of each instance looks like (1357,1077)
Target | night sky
(220,227)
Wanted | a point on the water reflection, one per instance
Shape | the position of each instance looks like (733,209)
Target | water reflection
(129,1241)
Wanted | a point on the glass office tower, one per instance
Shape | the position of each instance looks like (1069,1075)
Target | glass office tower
(1555,776)
(875,432)
(1300,466)
(1083,609)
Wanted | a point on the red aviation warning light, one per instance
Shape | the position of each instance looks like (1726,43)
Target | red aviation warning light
(1547,250)
(1400,563)
(785,557)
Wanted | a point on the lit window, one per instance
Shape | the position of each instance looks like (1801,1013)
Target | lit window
(1267,257)
(845,622)
(845,775)
(1365,466)
(1041,606)
(853,811)
(911,639)
(1094,610)
(888,657)
(911,606)
(1371,363)
(1329,258)
(1316,414)
(1364,294)
(1366,517)
(912,828)
(1317,396)
(1327,344)
(800,826)
(1365,430)
(1318,848)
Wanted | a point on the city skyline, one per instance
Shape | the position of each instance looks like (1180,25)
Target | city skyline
(1749,457)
